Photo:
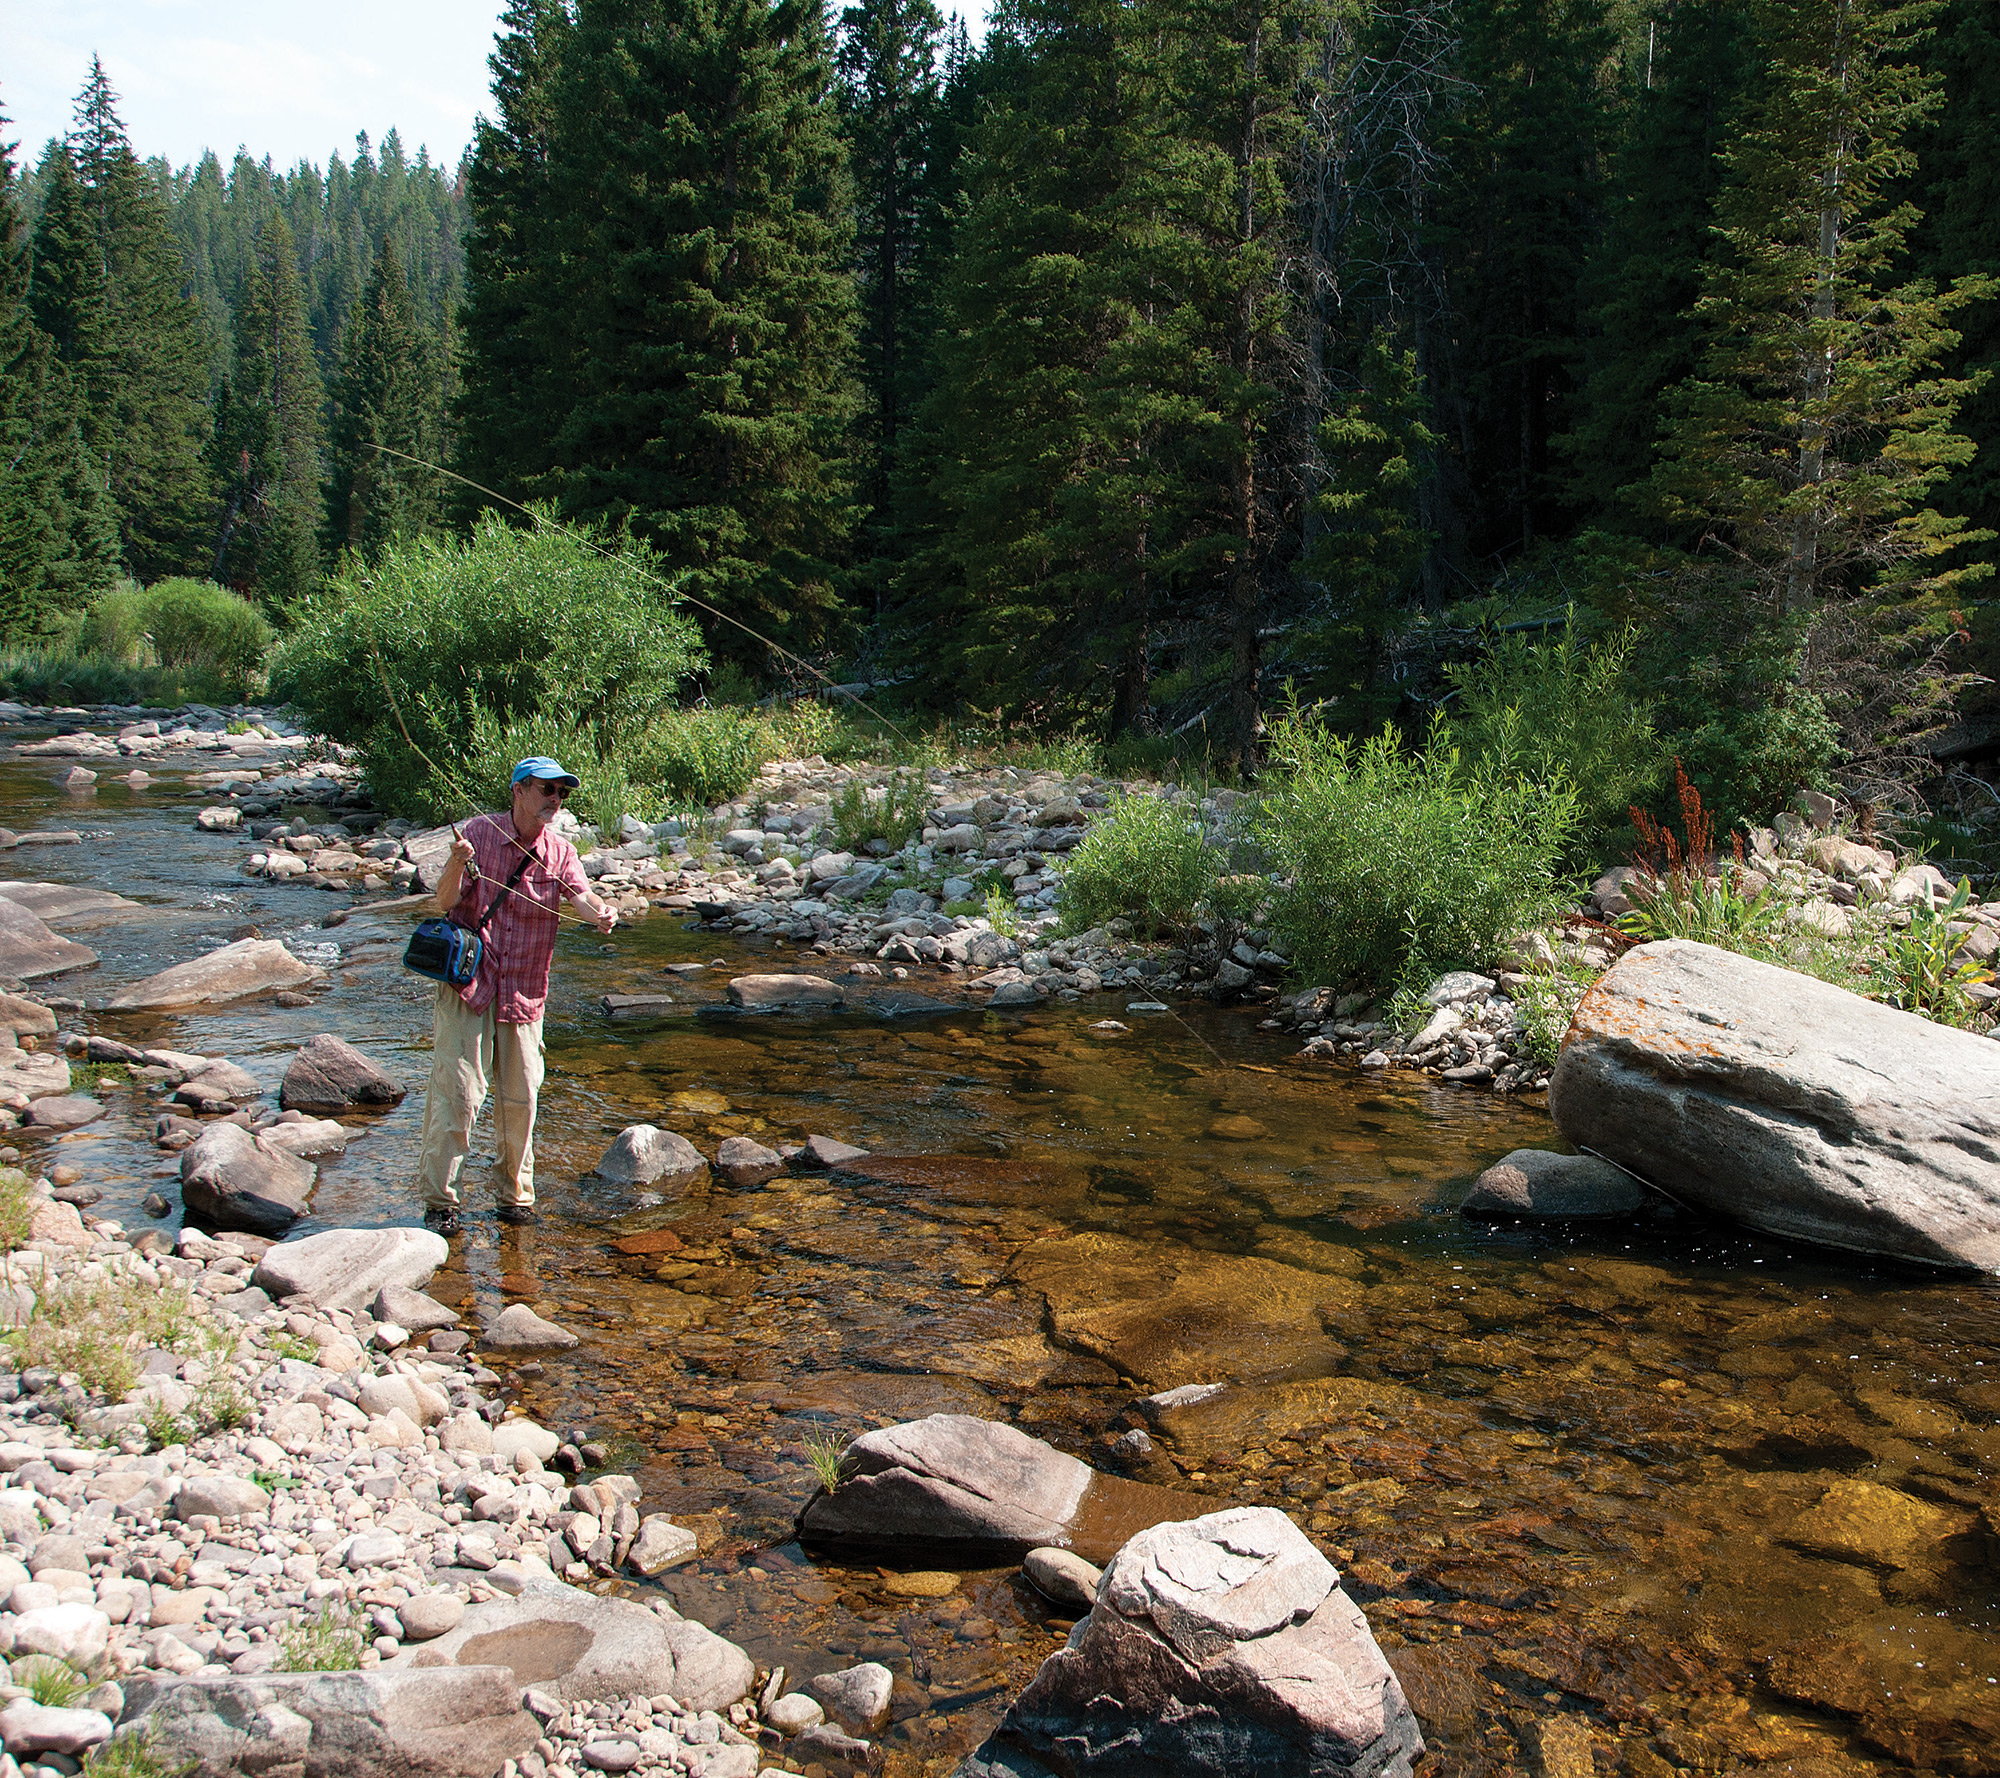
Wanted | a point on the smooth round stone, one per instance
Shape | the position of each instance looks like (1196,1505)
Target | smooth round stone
(431,1614)
(794,1713)
(612,1756)
(921,1584)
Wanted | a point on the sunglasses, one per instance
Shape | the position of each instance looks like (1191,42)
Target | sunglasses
(549,787)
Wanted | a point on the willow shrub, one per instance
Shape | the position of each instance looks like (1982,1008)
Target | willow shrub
(199,635)
(508,628)
(1146,859)
(1394,866)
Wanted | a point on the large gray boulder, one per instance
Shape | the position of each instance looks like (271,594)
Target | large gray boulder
(330,1074)
(646,1155)
(1540,1182)
(1218,1646)
(580,1647)
(29,950)
(348,1268)
(250,966)
(232,1178)
(978,1487)
(1786,1103)
(439,1722)
(67,902)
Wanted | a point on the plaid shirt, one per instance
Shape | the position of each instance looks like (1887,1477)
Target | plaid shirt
(520,939)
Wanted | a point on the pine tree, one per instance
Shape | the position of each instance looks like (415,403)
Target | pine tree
(58,544)
(390,394)
(268,436)
(1804,449)
(705,228)
(1647,268)
(514,335)
(891,105)
(112,275)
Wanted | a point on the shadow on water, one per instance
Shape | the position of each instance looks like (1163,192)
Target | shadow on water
(1727,1503)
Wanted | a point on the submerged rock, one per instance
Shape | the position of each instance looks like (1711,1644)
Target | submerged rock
(517,1328)
(764,993)
(1219,1646)
(1789,1104)
(1539,1182)
(744,1161)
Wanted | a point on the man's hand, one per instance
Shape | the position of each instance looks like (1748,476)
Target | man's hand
(461,852)
(607,918)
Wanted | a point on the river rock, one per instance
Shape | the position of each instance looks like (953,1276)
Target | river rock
(793,1714)
(766,993)
(235,1181)
(856,1698)
(427,1616)
(578,1646)
(1794,1106)
(20,1018)
(660,1545)
(330,1074)
(411,1309)
(1063,1576)
(27,1727)
(309,1138)
(1539,1182)
(824,1151)
(979,1487)
(66,1112)
(220,1496)
(1219,1646)
(66,901)
(511,1437)
(250,966)
(742,1161)
(346,1268)
(29,950)
(75,1633)
(442,1722)
(646,1155)
(517,1328)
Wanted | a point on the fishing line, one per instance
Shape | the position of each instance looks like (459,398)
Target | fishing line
(611,555)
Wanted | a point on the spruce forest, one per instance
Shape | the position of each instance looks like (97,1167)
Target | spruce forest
(1138,373)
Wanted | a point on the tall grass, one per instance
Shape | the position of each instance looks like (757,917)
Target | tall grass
(1144,859)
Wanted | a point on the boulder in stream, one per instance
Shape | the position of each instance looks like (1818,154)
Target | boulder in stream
(29,950)
(646,1155)
(67,901)
(956,1483)
(330,1074)
(1788,1104)
(770,993)
(1219,1646)
(235,1180)
(249,966)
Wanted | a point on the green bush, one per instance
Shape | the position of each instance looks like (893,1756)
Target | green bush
(445,645)
(1562,710)
(1396,866)
(203,635)
(701,756)
(894,814)
(1145,858)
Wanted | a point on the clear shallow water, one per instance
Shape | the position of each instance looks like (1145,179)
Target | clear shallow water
(1726,1504)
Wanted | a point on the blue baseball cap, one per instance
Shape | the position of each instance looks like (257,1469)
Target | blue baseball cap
(538,767)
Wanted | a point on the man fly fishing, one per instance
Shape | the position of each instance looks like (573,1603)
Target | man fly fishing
(503,879)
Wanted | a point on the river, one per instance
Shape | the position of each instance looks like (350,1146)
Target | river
(1714,1502)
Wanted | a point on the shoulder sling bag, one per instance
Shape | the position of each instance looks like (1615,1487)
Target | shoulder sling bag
(447,952)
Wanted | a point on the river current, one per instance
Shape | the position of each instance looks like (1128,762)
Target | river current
(1635,1497)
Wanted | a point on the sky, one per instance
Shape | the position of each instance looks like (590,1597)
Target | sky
(278,77)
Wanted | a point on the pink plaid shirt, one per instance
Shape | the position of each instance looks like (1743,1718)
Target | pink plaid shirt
(520,939)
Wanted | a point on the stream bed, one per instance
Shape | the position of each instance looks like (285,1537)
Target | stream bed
(1635,1497)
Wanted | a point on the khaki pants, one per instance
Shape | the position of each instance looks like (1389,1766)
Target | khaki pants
(469,1049)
